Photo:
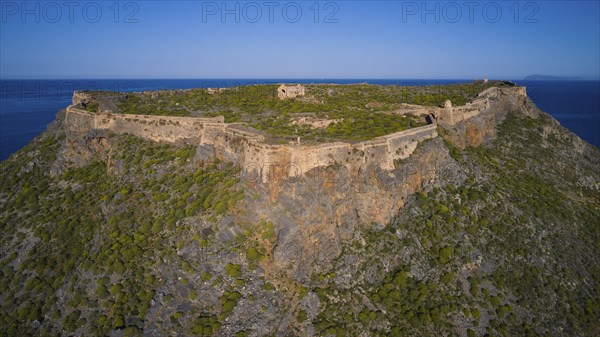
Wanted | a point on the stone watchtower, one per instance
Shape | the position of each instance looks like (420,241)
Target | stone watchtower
(290,91)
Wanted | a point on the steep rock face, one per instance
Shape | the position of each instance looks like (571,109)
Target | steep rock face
(472,132)
(316,212)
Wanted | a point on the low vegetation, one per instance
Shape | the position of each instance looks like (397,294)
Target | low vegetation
(362,111)
(498,255)
(89,247)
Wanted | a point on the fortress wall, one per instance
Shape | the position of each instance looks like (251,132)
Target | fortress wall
(156,128)
(230,145)
(457,114)
(74,119)
(150,119)
(484,100)
(399,145)
(402,144)
(277,161)
(296,160)
(462,113)
(406,134)
(306,158)
(248,149)
(235,130)
(171,119)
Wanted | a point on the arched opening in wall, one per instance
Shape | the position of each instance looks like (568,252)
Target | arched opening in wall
(430,118)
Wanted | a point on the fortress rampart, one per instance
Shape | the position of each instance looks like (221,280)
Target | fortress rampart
(248,148)
(155,128)
(452,115)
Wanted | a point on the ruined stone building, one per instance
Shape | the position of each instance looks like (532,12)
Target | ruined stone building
(290,91)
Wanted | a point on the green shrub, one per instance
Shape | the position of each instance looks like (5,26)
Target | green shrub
(252,254)
(302,316)
(206,326)
(233,270)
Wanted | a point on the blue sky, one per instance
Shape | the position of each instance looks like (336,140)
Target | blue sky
(344,39)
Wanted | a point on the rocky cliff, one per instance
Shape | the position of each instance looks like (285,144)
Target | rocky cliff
(483,222)
(317,194)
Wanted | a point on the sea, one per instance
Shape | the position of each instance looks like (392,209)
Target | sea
(28,106)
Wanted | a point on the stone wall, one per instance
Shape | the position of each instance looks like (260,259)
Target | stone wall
(155,128)
(453,115)
(248,148)
(315,122)
(290,91)
(475,124)
(296,160)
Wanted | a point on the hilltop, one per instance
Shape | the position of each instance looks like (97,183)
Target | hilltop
(195,213)
(324,112)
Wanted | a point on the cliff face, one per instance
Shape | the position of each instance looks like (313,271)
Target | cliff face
(319,211)
(317,194)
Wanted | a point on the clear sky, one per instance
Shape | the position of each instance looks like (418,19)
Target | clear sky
(287,39)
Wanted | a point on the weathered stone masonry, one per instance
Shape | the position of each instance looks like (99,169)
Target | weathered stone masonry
(248,148)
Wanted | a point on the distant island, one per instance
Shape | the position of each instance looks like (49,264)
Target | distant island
(550,78)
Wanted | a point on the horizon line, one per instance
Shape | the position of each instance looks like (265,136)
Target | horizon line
(560,78)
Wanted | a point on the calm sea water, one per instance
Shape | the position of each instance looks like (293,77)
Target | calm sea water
(28,106)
